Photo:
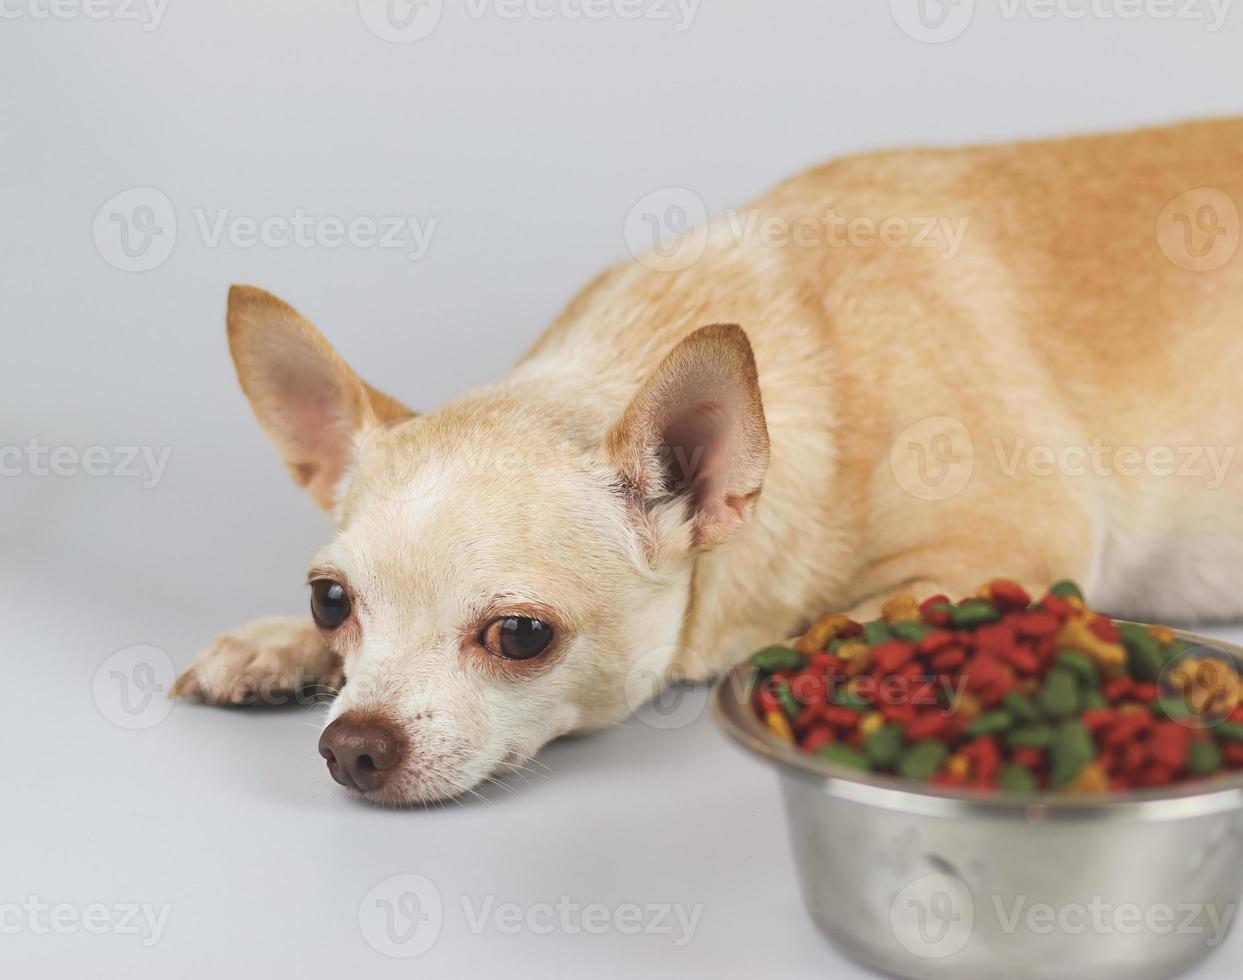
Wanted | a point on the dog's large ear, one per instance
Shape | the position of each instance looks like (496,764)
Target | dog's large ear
(306,398)
(696,432)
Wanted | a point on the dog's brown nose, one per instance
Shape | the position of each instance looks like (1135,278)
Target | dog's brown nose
(362,751)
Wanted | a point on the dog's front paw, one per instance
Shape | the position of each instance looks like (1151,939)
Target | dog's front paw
(268,661)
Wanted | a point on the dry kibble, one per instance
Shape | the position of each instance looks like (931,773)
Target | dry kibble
(1001,693)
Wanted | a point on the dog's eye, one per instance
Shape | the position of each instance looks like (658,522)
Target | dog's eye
(517,637)
(330,603)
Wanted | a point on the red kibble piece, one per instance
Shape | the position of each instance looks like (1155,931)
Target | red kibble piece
(1155,775)
(1008,595)
(1132,757)
(898,713)
(1144,693)
(984,756)
(934,641)
(948,779)
(1168,743)
(1232,752)
(933,615)
(837,716)
(1036,624)
(925,726)
(1116,688)
(818,736)
(824,663)
(1105,629)
(948,659)
(809,687)
(1125,728)
(888,657)
(984,672)
(767,700)
(807,718)
(996,638)
(1031,758)
(1058,606)
(850,630)
(1097,718)
(1024,661)
(909,673)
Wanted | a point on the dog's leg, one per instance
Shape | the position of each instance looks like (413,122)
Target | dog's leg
(268,661)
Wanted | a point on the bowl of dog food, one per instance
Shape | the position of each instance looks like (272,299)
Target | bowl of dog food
(1005,785)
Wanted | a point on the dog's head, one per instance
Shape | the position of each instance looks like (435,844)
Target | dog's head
(503,564)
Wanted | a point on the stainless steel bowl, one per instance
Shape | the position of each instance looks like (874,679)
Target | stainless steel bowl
(926,883)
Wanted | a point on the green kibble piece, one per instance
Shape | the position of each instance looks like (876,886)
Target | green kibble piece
(922,760)
(776,658)
(844,755)
(884,746)
(1203,758)
(876,632)
(789,703)
(1014,778)
(1173,708)
(1072,748)
(911,631)
(1173,650)
(1083,666)
(1094,701)
(849,699)
(1022,708)
(1231,731)
(1066,589)
(836,644)
(1144,657)
(1035,737)
(1059,696)
(973,612)
(991,723)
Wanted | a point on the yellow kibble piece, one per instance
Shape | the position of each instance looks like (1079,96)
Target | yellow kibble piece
(968,706)
(779,725)
(958,766)
(871,723)
(823,631)
(899,609)
(1077,635)
(1162,634)
(1091,779)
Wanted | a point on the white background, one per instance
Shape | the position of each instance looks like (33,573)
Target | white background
(527,140)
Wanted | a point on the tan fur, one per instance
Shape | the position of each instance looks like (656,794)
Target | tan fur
(1061,321)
